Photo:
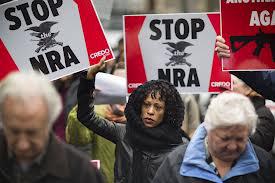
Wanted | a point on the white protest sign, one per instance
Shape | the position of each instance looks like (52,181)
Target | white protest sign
(55,37)
(176,47)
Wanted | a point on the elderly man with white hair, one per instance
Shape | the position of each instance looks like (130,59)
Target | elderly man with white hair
(220,150)
(29,152)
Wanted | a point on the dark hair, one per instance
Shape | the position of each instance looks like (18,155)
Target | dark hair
(174,107)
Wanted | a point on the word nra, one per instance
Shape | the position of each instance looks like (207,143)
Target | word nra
(39,9)
(178,77)
(53,59)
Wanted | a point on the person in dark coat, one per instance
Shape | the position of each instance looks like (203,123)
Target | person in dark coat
(220,150)
(265,129)
(154,114)
(29,151)
(263,82)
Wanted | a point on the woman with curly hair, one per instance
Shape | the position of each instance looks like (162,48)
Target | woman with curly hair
(154,114)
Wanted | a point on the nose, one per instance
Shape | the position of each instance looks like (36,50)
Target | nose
(232,146)
(150,110)
(23,144)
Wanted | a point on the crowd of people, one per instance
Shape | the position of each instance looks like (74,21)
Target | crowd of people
(157,136)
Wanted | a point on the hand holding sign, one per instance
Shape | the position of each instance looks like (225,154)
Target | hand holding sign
(221,48)
(92,71)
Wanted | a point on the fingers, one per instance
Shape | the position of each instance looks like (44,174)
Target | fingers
(220,39)
(220,43)
(223,55)
(221,48)
(94,69)
(222,52)
(102,64)
(102,60)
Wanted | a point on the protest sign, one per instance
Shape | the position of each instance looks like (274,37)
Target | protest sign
(176,47)
(55,37)
(248,27)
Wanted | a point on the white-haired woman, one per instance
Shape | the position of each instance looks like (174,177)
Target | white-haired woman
(220,150)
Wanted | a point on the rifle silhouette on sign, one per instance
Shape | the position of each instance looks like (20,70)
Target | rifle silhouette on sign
(260,39)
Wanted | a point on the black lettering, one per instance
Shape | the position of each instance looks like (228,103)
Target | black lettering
(54,60)
(155,29)
(167,23)
(165,76)
(15,19)
(69,56)
(185,33)
(39,64)
(54,6)
(36,13)
(197,26)
(25,13)
(179,75)
(193,78)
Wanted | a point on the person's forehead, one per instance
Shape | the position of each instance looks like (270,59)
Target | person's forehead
(18,100)
(16,105)
(155,94)
(156,100)
(25,115)
(234,129)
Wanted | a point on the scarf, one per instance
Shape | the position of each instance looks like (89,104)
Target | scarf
(163,136)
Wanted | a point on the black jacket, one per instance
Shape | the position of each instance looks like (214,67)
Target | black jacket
(169,170)
(60,164)
(263,82)
(265,130)
(131,164)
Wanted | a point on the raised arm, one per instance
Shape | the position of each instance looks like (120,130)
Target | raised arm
(85,112)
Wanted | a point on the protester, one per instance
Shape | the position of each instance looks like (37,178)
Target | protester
(154,116)
(220,150)
(263,82)
(108,90)
(29,151)
(265,129)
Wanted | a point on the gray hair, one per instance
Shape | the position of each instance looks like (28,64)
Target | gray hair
(28,85)
(229,109)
